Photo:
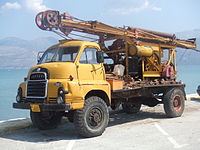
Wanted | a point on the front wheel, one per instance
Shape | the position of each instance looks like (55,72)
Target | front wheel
(93,118)
(174,102)
(46,120)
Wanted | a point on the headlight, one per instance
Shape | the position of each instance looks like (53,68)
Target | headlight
(60,100)
(61,96)
(19,95)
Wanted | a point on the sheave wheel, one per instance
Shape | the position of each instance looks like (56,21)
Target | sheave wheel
(93,118)
(174,102)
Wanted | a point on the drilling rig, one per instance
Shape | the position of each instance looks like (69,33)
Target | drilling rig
(130,43)
(80,79)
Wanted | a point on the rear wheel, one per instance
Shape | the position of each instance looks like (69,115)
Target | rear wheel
(93,118)
(46,120)
(131,107)
(174,102)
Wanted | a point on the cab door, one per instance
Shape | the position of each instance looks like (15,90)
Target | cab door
(89,70)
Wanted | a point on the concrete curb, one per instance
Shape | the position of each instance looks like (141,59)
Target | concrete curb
(14,124)
(192,97)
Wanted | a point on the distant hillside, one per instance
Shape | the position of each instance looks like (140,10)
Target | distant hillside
(20,53)
(189,34)
(189,57)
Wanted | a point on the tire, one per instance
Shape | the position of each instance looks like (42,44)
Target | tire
(46,120)
(131,108)
(174,102)
(92,120)
(70,116)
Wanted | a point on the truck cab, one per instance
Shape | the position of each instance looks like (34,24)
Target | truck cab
(64,75)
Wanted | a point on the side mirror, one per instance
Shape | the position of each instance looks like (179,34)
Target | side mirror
(39,56)
(100,57)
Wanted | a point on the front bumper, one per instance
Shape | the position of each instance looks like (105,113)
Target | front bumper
(43,107)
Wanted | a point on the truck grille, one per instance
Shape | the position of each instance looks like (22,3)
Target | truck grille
(37,86)
(35,100)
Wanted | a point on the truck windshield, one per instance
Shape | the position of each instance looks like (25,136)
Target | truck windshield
(61,54)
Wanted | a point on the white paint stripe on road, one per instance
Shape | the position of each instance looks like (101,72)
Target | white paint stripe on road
(70,145)
(171,139)
(161,130)
(176,145)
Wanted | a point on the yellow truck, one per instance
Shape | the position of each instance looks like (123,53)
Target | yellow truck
(82,79)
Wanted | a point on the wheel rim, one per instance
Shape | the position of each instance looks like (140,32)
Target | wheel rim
(95,117)
(177,102)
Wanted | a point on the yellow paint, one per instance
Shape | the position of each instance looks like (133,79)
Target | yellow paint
(153,74)
(140,50)
(35,108)
(23,86)
(75,106)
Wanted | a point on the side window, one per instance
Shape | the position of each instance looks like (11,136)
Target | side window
(83,59)
(89,56)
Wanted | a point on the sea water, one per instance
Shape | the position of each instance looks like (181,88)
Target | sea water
(190,75)
(10,79)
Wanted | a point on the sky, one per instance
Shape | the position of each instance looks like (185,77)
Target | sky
(17,17)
